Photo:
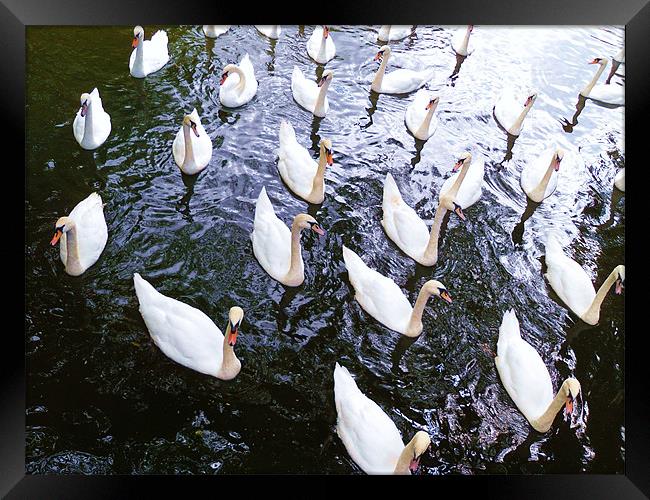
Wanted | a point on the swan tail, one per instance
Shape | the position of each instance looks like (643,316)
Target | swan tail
(143,289)
(287,133)
(160,37)
(391,191)
(552,246)
(344,383)
(509,328)
(296,75)
(353,262)
(263,204)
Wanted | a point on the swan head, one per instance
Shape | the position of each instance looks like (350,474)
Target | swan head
(463,158)
(235,317)
(188,122)
(226,72)
(600,60)
(530,100)
(421,442)
(384,51)
(326,31)
(557,158)
(433,102)
(470,27)
(84,101)
(138,35)
(434,287)
(305,221)
(620,279)
(63,225)
(326,148)
(326,79)
(572,389)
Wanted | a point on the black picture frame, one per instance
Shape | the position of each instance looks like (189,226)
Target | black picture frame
(15,15)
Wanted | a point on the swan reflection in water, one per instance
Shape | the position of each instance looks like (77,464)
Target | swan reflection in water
(518,231)
(580,105)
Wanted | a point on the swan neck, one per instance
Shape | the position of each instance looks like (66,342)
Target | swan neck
(88,121)
(426,123)
(139,55)
(296,274)
(322,50)
(230,364)
(189,148)
(318,184)
(404,460)
(415,323)
(592,315)
(587,90)
(72,263)
(463,46)
(430,256)
(453,191)
(545,420)
(516,127)
(537,194)
(319,107)
(379,76)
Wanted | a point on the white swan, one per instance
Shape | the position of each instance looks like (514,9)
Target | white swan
(187,335)
(369,435)
(619,179)
(270,31)
(573,285)
(298,170)
(148,56)
(609,94)
(238,84)
(311,95)
(92,124)
(539,177)
(320,45)
(380,296)
(510,111)
(215,30)
(399,81)
(526,378)
(460,41)
(419,116)
(472,184)
(83,235)
(275,247)
(389,33)
(192,147)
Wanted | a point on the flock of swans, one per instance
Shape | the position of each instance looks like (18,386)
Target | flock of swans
(189,337)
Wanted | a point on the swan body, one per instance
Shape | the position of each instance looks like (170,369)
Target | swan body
(298,170)
(187,335)
(215,30)
(83,235)
(192,147)
(399,81)
(148,56)
(619,180)
(92,124)
(539,177)
(380,296)
(526,378)
(369,435)
(606,93)
(472,186)
(277,248)
(389,33)
(270,31)
(238,84)
(311,95)
(460,41)
(510,111)
(420,118)
(320,45)
(573,285)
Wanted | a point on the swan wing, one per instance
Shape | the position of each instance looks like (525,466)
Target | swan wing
(92,232)
(305,92)
(611,94)
(416,111)
(401,81)
(295,164)
(507,110)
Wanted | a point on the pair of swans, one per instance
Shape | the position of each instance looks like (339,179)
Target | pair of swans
(527,380)
(606,93)
(419,115)
(510,113)
(238,84)
(460,41)
(310,95)
(187,335)
(192,147)
(148,56)
(320,45)
(92,124)
(389,33)
(573,285)
(270,31)
(277,248)
(82,235)
(539,177)
(399,81)
(368,433)
(409,232)
(298,170)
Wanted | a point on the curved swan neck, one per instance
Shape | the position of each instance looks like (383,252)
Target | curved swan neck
(72,262)
(423,131)
(88,121)
(430,256)
(319,107)
(415,323)
(463,46)
(379,76)
(296,274)
(322,50)
(318,184)
(139,55)
(404,460)
(537,194)
(587,90)
(189,149)
(545,420)
(453,190)
(230,364)
(516,127)
(592,315)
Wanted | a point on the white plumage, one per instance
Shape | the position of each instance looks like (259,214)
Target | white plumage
(91,130)
(149,55)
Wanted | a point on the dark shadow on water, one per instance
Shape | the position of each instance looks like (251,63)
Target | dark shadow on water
(374,98)
(315,138)
(510,145)
(401,347)
(577,328)
(459,62)
(518,231)
(617,194)
(183,205)
(271,64)
(568,125)
(282,317)
(419,145)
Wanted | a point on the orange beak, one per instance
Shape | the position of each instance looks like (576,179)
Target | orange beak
(569,406)
(378,56)
(619,286)
(330,159)
(232,338)
(430,105)
(326,31)
(445,296)
(457,165)
(594,62)
(135,42)
(223,78)
(57,236)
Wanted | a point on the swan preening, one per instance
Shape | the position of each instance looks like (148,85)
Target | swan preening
(148,56)
(92,124)
(298,170)
(539,177)
(270,31)
(380,296)
(573,285)
(399,81)
(369,435)
(82,234)
(238,84)
(389,33)
(277,248)
(526,378)
(192,147)
(187,335)
(619,179)
(320,45)
(607,93)
(511,110)
(311,95)
(460,41)
(419,116)
(215,30)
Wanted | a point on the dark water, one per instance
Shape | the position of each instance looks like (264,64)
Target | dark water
(101,398)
